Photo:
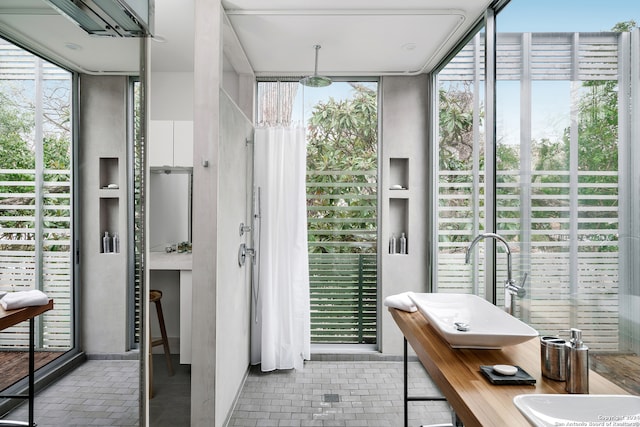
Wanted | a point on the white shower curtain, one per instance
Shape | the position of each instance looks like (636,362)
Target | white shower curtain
(280,335)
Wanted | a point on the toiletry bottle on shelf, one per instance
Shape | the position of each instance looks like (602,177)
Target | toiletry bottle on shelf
(577,354)
(392,244)
(116,243)
(403,244)
(106,243)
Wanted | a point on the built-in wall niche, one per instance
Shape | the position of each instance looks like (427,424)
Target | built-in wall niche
(398,174)
(109,227)
(398,226)
(109,173)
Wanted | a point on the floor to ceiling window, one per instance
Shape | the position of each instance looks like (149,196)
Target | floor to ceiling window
(36,202)
(562,170)
(557,195)
(460,174)
(341,131)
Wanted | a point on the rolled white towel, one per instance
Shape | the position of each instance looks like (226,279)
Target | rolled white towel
(21,299)
(401,302)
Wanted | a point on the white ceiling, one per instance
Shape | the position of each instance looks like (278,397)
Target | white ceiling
(358,37)
(37,25)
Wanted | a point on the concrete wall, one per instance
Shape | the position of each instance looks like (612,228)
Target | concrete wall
(230,80)
(220,292)
(207,83)
(233,290)
(171,96)
(103,277)
(405,139)
(221,295)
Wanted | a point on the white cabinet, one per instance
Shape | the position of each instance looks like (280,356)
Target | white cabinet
(171,143)
(183,143)
(160,143)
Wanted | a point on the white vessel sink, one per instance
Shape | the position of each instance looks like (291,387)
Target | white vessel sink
(488,326)
(546,410)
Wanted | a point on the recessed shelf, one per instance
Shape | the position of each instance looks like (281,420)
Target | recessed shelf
(398,174)
(109,173)
(109,207)
(109,194)
(398,224)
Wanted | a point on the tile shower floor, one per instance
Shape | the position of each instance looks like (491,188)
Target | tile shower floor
(338,393)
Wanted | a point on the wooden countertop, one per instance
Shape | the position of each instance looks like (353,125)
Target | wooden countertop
(9,318)
(457,373)
(170,261)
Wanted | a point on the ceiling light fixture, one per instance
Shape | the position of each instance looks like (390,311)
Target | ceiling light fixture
(72,46)
(408,47)
(316,80)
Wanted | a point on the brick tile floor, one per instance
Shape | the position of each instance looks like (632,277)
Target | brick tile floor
(97,393)
(368,394)
(365,393)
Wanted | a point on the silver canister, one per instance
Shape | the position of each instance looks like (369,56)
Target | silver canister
(577,364)
(553,358)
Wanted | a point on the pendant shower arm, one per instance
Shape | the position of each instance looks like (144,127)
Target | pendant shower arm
(316,80)
(315,68)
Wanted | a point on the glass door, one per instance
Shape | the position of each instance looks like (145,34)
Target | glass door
(36,204)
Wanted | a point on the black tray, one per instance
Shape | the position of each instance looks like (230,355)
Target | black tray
(520,378)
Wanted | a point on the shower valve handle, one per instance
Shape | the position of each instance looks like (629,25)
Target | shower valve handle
(243,252)
(244,229)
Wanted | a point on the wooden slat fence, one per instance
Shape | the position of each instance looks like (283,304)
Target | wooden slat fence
(562,292)
(551,305)
(18,64)
(343,298)
(551,57)
(32,261)
(342,234)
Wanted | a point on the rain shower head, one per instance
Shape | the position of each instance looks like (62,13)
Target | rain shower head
(316,80)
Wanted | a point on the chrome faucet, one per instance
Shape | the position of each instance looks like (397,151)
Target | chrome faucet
(511,289)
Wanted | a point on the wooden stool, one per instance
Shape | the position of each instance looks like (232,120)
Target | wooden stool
(156,297)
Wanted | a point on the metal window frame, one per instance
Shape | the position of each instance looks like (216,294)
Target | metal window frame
(323,348)
(629,102)
(74,356)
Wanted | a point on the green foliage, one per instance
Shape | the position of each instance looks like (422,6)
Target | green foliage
(14,126)
(598,127)
(455,151)
(507,159)
(624,26)
(56,153)
(343,134)
(17,153)
(456,126)
(597,153)
(550,156)
(342,140)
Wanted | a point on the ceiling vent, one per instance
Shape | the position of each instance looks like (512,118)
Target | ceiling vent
(110,18)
